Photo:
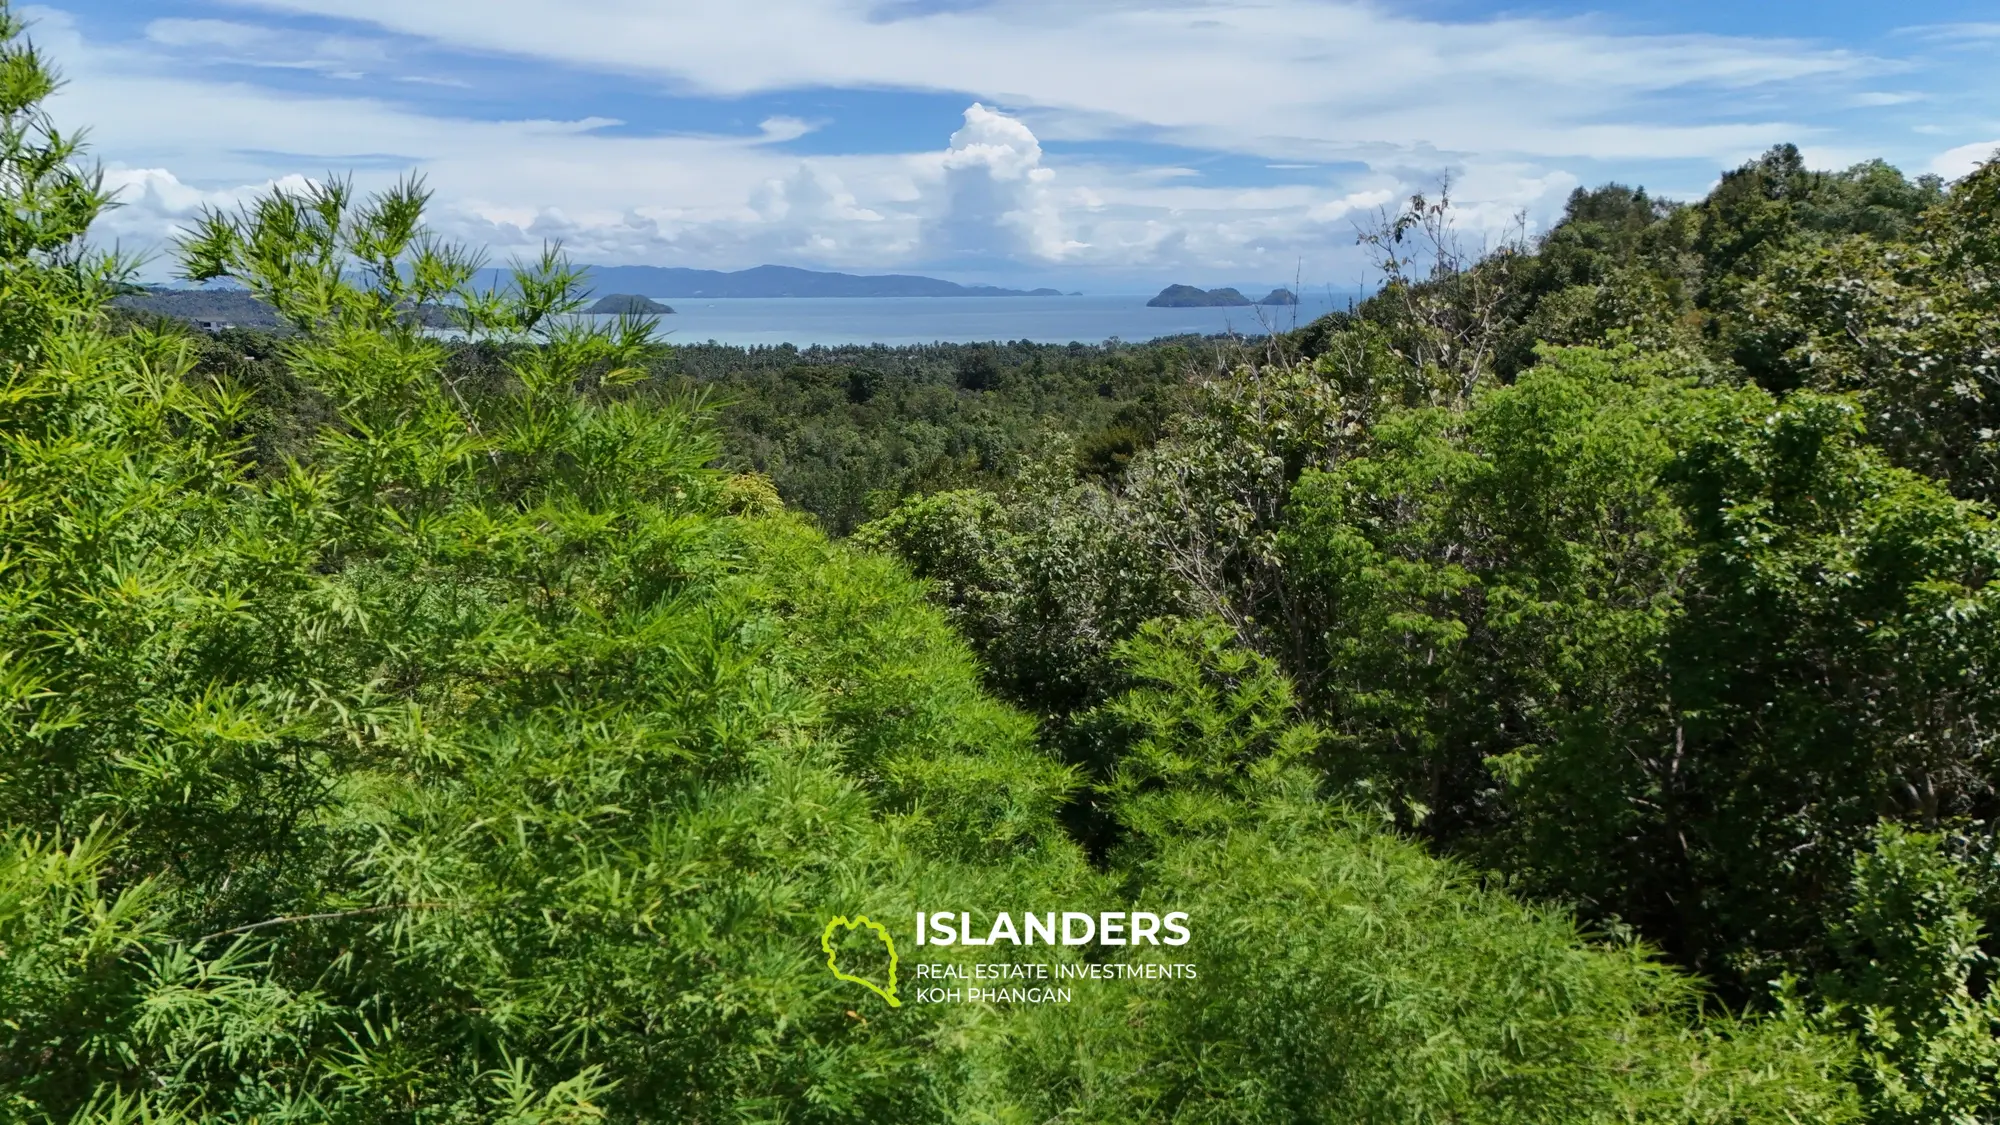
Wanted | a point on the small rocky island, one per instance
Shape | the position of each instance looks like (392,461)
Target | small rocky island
(628,304)
(1188,297)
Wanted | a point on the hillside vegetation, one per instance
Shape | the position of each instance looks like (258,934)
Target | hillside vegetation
(1649,568)
(395,730)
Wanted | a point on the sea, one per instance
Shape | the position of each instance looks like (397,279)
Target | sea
(898,321)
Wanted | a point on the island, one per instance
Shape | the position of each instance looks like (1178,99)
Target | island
(1188,297)
(1280,297)
(211,310)
(628,304)
(219,309)
(991,291)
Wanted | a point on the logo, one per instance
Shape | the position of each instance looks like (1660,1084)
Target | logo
(833,956)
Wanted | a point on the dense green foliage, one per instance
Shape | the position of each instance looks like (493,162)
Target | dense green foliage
(1648,568)
(415,732)
(843,433)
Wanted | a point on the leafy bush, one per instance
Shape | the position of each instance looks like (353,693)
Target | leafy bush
(1650,569)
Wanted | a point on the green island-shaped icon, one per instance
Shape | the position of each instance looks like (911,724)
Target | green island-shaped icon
(832,957)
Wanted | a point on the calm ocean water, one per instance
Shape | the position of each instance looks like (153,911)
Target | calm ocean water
(926,320)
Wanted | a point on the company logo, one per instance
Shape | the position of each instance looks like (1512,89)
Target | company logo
(833,956)
(1112,927)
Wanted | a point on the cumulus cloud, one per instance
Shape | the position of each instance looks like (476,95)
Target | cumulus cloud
(1000,144)
(153,204)
(1960,161)
(809,195)
(997,206)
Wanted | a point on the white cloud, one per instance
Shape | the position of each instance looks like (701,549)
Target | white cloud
(207,33)
(1000,144)
(777,130)
(985,198)
(1360,202)
(1508,107)
(1962,160)
(1877,98)
(997,202)
(152,198)
(246,44)
(1955,32)
(1304,78)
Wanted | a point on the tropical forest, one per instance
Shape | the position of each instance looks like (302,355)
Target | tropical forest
(1562,687)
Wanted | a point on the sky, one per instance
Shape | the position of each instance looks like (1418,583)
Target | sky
(1109,145)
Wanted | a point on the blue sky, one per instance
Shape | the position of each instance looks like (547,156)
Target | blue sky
(1100,144)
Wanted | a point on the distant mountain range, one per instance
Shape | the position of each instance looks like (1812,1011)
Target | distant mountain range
(774,281)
